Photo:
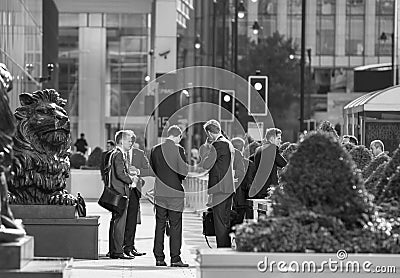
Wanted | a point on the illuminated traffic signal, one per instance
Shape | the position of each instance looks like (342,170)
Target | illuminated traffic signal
(226,105)
(258,95)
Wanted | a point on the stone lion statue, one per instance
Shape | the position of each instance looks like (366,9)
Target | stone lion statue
(41,150)
(9,229)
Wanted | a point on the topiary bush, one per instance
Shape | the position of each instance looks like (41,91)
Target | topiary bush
(94,159)
(371,167)
(348,146)
(321,176)
(327,127)
(361,156)
(389,170)
(77,160)
(371,184)
(287,153)
(322,205)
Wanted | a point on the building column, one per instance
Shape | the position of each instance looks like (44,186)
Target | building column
(370,38)
(340,34)
(92,65)
(282,9)
(311,34)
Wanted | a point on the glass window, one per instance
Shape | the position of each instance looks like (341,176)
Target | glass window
(326,27)
(267,18)
(127,48)
(294,21)
(384,27)
(355,27)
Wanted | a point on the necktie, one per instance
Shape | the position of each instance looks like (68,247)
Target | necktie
(128,158)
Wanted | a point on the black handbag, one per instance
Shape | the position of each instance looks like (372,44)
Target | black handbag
(111,199)
(208,223)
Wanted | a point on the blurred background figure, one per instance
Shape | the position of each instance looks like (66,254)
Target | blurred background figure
(81,144)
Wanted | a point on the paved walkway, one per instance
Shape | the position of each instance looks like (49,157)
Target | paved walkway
(144,266)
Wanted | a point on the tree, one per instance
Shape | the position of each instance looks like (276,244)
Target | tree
(272,57)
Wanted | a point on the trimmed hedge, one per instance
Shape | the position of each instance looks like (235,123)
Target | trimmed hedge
(348,146)
(320,205)
(389,170)
(77,160)
(361,156)
(373,165)
(371,184)
(94,159)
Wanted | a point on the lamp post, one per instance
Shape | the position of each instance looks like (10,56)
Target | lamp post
(302,62)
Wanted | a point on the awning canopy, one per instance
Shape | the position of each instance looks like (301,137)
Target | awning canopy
(384,100)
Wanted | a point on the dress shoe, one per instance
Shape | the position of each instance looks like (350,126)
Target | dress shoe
(121,256)
(134,252)
(161,263)
(179,264)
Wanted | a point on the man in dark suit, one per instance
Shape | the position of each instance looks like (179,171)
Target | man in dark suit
(267,159)
(105,156)
(120,180)
(219,161)
(168,162)
(138,165)
(240,166)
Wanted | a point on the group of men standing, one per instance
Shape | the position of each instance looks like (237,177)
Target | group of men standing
(228,172)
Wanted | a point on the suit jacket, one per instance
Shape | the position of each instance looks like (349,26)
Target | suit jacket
(168,162)
(120,179)
(242,192)
(219,162)
(267,159)
(105,156)
(140,161)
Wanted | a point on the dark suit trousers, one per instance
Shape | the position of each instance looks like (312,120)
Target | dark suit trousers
(171,209)
(131,221)
(117,231)
(221,215)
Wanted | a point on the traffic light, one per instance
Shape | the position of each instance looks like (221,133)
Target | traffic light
(258,103)
(226,105)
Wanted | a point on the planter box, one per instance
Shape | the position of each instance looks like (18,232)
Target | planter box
(87,182)
(43,211)
(229,263)
(76,237)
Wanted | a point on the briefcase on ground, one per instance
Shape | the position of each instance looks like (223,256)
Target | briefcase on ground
(208,223)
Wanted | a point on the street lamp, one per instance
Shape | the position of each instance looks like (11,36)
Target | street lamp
(41,79)
(255,27)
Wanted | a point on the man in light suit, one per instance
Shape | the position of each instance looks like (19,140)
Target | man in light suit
(168,162)
(121,181)
(138,165)
(218,159)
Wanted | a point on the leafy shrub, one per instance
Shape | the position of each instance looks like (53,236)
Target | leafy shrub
(287,153)
(348,146)
(361,156)
(94,159)
(322,205)
(327,127)
(389,170)
(283,147)
(77,160)
(321,178)
(371,184)
(390,199)
(371,167)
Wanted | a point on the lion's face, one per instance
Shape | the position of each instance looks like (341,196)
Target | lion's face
(43,121)
(50,123)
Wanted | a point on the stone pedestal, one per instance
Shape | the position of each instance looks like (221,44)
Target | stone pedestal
(17,261)
(43,211)
(77,237)
(15,255)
